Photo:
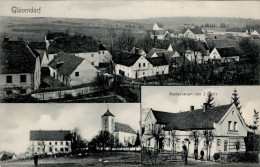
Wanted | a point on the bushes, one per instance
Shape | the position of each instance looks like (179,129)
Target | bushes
(216,156)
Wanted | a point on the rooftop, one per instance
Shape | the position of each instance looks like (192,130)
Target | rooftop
(50,135)
(119,127)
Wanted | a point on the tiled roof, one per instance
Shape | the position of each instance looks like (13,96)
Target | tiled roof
(73,44)
(119,127)
(127,59)
(220,43)
(65,63)
(197,31)
(152,51)
(196,119)
(38,45)
(228,52)
(108,113)
(17,57)
(102,47)
(158,61)
(50,135)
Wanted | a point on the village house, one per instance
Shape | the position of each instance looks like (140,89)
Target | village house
(104,54)
(159,34)
(20,68)
(138,51)
(123,134)
(222,127)
(50,141)
(157,26)
(137,66)
(51,36)
(237,32)
(254,34)
(196,34)
(225,54)
(72,70)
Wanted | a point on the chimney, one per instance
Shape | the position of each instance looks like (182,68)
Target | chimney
(191,108)
(205,107)
(6,39)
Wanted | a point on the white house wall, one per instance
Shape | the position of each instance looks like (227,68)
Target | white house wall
(126,138)
(104,56)
(92,57)
(50,147)
(87,74)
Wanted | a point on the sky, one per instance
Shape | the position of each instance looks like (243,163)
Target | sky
(162,98)
(135,9)
(17,120)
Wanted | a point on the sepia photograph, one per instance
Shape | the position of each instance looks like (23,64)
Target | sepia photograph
(96,52)
(200,126)
(70,135)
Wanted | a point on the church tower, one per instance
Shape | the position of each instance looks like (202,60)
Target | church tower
(108,122)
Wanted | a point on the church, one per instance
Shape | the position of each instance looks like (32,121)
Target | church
(124,135)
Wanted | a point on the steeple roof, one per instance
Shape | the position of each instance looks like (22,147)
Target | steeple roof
(108,113)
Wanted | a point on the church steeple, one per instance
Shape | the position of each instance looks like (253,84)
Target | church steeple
(108,123)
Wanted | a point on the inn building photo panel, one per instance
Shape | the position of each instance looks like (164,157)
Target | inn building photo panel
(199,125)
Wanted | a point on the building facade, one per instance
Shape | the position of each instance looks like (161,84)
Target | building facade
(50,142)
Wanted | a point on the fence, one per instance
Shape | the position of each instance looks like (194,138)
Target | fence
(64,93)
(114,149)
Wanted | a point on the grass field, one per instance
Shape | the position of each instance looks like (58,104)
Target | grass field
(108,159)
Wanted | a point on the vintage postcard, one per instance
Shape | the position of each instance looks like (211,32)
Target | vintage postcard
(123,83)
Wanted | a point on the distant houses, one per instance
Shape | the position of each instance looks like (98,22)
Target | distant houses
(196,34)
(157,26)
(20,68)
(50,141)
(137,66)
(72,70)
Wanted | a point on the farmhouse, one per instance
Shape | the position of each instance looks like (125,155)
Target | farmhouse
(50,141)
(196,34)
(223,126)
(226,54)
(20,68)
(137,66)
(157,26)
(123,133)
(72,70)
(104,55)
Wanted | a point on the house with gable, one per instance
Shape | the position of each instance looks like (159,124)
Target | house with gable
(223,125)
(157,26)
(20,68)
(196,34)
(122,133)
(137,66)
(72,70)
(50,142)
(104,54)
(225,54)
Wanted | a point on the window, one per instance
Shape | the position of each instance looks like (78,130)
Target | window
(39,143)
(225,145)
(61,149)
(235,125)
(229,125)
(50,148)
(9,79)
(56,149)
(103,52)
(92,63)
(67,143)
(139,64)
(22,78)
(66,149)
(99,52)
(50,143)
(144,64)
(143,73)
(232,112)
(92,55)
(162,72)
(76,74)
(218,142)
(61,143)
(56,143)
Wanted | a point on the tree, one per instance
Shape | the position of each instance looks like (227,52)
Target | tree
(137,141)
(112,35)
(145,43)
(77,142)
(250,49)
(209,136)
(125,41)
(104,139)
(209,100)
(235,100)
(256,119)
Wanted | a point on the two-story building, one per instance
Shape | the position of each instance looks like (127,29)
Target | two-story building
(20,68)
(137,66)
(72,70)
(196,34)
(50,141)
(123,133)
(215,129)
